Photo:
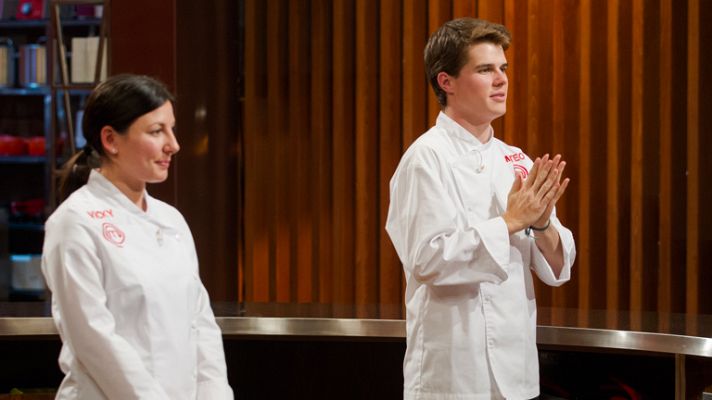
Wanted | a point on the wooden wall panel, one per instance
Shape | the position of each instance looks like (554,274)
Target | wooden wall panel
(705,166)
(693,163)
(343,100)
(256,239)
(323,244)
(335,92)
(390,293)
(300,141)
(415,85)
(612,169)
(439,12)
(636,170)
(584,274)
(665,275)
(367,149)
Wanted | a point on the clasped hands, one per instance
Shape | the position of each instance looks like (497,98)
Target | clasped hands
(531,201)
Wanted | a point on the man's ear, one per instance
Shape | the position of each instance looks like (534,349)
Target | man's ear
(445,82)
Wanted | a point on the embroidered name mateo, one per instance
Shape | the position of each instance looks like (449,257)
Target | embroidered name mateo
(514,157)
(101,214)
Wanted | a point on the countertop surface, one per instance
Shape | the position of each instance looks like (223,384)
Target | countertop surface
(33,320)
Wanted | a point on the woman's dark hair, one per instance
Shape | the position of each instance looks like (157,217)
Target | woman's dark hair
(117,102)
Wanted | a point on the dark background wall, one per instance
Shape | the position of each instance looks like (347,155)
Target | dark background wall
(195,48)
(288,199)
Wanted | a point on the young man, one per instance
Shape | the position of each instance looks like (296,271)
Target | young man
(469,217)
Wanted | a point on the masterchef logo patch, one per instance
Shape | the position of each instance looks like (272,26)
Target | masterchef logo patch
(518,168)
(113,234)
(521,170)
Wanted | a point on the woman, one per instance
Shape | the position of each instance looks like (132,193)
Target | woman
(127,300)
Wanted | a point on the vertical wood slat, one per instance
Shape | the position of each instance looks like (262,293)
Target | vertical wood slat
(558,101)
(415,85)
(278,138)
(564,120)
(693,162)
(439,12)
(344,50)
(612,266)
(535,35)
(534,60)
(516,93)
(636,170)
(257,252)
(584,156)
(491,10)
(321,127)
(465,8)
(300,139)
(665,211)
(390,149)
(367,230)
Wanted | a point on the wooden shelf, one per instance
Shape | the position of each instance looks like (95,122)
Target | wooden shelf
(22,159)
(43,23)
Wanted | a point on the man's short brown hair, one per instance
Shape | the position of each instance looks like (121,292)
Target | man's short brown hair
(447,49)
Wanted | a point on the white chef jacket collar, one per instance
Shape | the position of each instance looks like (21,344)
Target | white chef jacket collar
(455,129)
(109,190)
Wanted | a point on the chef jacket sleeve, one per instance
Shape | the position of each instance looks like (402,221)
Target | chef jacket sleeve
(434,244)
(74,275)
(541,266)
(212,371)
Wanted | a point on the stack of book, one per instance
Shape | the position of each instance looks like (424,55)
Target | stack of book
(84,54)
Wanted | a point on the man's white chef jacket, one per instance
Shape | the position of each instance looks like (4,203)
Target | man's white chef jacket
(127,300)
(471,313)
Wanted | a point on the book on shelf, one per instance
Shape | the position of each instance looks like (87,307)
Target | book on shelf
(84,57)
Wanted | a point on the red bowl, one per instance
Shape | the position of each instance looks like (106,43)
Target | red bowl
(36,146)
(12,146)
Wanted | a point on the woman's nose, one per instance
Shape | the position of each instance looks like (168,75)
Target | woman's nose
(172,146)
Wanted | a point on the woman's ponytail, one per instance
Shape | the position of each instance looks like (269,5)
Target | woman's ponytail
(75,172)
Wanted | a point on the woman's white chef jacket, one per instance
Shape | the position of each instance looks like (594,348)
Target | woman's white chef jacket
(471,313)
(133,315)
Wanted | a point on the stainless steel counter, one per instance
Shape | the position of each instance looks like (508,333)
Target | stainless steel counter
(383,329)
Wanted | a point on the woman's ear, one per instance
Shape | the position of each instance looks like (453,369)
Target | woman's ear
(109,140)
(445,82)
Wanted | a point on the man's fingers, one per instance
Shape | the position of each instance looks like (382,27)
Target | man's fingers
(561,167)
(517,183)
(532,173)
(548,185)
(543,173)
(561,189)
